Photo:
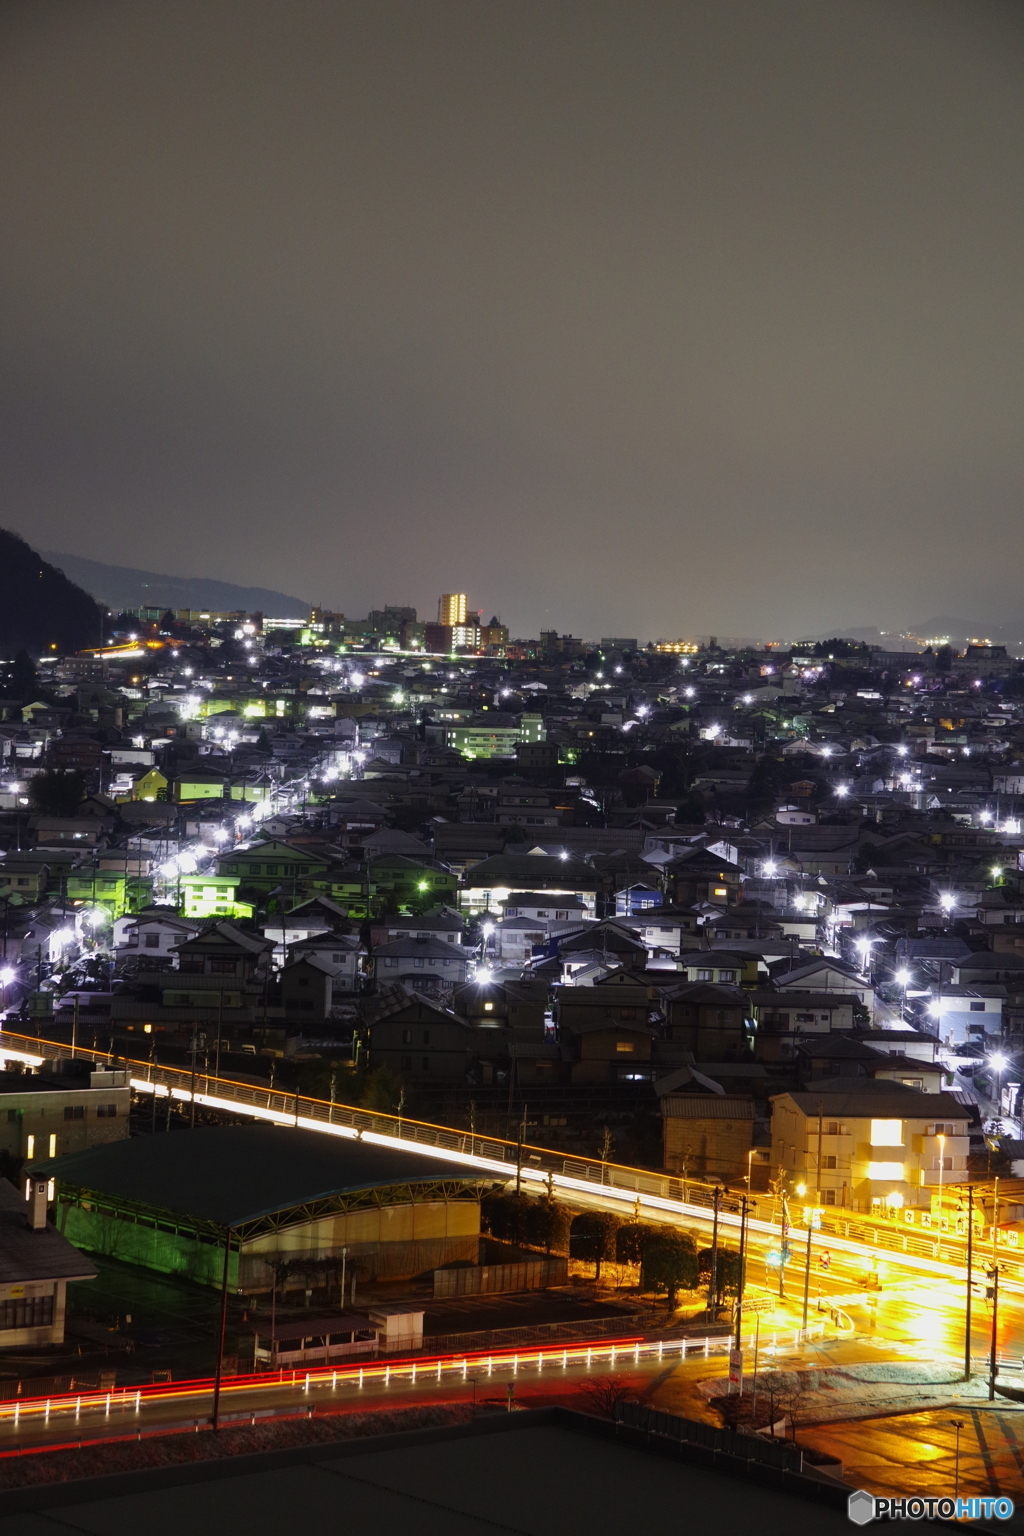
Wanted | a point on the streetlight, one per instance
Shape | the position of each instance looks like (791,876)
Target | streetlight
(902,979)
(999,1061)
(958,1425)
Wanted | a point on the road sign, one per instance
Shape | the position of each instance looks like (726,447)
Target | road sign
(736,1369)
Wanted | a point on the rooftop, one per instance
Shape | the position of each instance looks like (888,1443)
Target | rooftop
(230,1175)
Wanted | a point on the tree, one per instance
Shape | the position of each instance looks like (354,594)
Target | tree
(727,1271)
(592,1236)
(22,679)
(603,1394)
(57,791)
(670,1262)
(631,1240)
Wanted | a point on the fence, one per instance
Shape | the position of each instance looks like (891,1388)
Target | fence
(731,1442)
(487,1279)
(314,1114)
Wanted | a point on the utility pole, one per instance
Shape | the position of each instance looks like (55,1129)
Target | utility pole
(223,1325)
(970,1280)
(742,1272)
(993,1362)
(194,1046)
(713,1283)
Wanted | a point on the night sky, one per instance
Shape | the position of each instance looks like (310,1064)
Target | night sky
(626,318)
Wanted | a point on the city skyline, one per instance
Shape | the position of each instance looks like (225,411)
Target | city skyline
(620,311)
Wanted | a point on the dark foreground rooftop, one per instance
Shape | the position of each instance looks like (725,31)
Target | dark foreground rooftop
(546,1473)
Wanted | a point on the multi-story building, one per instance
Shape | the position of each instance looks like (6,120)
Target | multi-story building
(873,1146)
(451,609)
(63,1106)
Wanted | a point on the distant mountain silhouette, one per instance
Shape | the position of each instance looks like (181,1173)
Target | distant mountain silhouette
(39,607)
(956,631)
(122,586)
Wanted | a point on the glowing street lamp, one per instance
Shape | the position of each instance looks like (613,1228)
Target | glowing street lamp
(947,901)
(1000,1063)
(770,867)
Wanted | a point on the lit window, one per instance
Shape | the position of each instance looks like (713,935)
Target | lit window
(887,1133)
(53,1145)
(720,890)
(31,1149)
(624,1045)
(891,1172)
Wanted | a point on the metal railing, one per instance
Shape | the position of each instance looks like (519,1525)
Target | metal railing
(225,1094)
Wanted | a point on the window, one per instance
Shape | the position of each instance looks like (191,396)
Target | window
(418,963)
(30,1150)
(220,967)
(832,1128)
(74,1111)
(727,976)
(390,960)
(337,959)
(446,963)
(426,1037)
(406,1063)
(12,1117)
(52,1152)
(27,1312)
(407,1037)
(828,1197)
(624,1045)
(912,1082)
(106,1111)
(705,975)
(488,1007)
(720,890)
(829,1161)
(978,1007)
(151,941)
(805,1018)
(886,1133)
(945,1163)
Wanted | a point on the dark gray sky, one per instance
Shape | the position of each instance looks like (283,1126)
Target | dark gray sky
(623,317)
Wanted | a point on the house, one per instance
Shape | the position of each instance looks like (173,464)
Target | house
(264,866)
(197,785)
(36,1266)
(708,1019)
(341,953)
(489,883)
(608,1046)
(824,974)
(869,1145)
(718,966)
(782,1019)
(607,1032)
(154,934)
(967,1014)
(428,964)
(206,896)
(443,923)
(707,1136)
(540,906)
(418,1038)
(637,899)
(307,989)
(613,942)
(699,875)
